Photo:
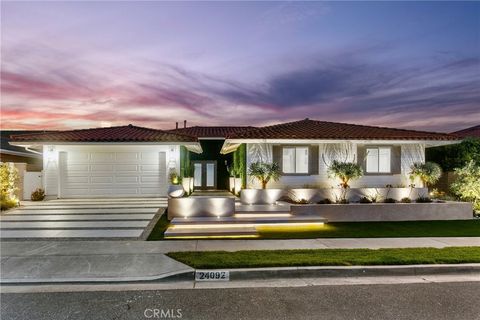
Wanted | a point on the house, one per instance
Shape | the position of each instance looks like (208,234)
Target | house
(135,161)
(16,154)
(472,132)
(122,161)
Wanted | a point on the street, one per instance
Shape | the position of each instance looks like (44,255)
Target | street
(437,301)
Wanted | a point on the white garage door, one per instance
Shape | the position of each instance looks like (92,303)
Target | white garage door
(112,174)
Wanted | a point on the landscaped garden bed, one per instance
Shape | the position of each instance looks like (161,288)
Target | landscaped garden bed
(327,257)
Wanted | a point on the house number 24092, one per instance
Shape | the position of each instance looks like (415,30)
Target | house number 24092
(212,275)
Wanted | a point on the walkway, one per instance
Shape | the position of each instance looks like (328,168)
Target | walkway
(123,218)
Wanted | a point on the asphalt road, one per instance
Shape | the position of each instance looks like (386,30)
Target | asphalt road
(398,301)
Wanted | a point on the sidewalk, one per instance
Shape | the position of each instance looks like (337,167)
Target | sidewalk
(127,261)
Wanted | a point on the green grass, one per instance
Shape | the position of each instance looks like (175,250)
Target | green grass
(454,228)
(327,257)
(160,228)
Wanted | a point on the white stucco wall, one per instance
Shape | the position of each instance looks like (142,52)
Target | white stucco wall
(410,153)
(51,159)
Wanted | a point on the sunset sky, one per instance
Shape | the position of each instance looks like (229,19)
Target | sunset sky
(88,64)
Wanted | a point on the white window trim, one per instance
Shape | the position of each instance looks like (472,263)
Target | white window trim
(295,161)
(378,160)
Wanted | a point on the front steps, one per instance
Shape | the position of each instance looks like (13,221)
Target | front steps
(241,225)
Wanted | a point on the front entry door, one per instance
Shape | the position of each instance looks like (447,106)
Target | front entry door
(205,175)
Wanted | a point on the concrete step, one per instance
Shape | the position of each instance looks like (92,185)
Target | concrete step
(211,232)
(97,206)
(71,234)
(82,217)
(28,211)
(73,224)
(251,220)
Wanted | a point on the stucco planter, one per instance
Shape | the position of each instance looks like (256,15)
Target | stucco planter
(175,191)
(355,194)
(237,185)
(201,207)
(261,196)
(387,211)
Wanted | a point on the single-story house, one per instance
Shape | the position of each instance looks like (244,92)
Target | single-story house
(135,161)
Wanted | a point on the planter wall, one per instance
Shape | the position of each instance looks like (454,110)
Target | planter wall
(201,207)
(386,211)
(355,194)
(261,196)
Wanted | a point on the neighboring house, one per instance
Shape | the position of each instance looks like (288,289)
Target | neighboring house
(468,132)
(135,161)
(15,154)
(123,161)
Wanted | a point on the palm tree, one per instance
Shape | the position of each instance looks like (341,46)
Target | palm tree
(345,171)
(265,172)
(428,172)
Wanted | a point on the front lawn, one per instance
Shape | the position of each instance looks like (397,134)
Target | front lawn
(453,228)
(327,257)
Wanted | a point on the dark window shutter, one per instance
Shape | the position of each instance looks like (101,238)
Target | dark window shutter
(396,158)
(362,157)
(277,155)
(313,160)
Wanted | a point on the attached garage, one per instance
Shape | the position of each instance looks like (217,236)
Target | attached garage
(112,173)
(125,161)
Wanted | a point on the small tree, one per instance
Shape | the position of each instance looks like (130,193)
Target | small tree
(265,172)
(428,172)
(345,171)
(467,184)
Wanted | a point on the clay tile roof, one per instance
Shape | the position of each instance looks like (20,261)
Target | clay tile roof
(210,132)
(468,132)
(128,133)
(313,129)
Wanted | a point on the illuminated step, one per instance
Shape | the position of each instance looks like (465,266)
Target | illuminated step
(241,232)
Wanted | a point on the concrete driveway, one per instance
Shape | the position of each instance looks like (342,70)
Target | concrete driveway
(124,218)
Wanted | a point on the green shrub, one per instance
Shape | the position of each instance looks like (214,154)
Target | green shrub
(406,200)
(8,180)
(38,195)
(325,201)
(342,201)
(423,200)
(467,184)
(365,200)
(390,200)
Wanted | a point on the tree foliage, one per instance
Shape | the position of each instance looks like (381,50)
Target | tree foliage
(467,184)
(345,171)
(8,186)
(456,155)
(265,172)
(428,172)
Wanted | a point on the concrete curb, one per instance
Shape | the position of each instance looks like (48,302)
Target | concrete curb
(350,271)
(274,273)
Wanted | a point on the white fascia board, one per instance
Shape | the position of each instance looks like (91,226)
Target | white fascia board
(36,143)
(211,138)
(21,154)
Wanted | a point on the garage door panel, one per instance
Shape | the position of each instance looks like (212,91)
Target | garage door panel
(126,168)
(98,157)
(113,174)
(126,156)
(97,180)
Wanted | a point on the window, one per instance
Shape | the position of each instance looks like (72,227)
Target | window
(295,160)
(378,159)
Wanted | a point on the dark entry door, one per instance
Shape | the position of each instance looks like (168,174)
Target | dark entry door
(205,175)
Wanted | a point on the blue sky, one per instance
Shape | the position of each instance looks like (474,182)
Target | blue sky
(86,64)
